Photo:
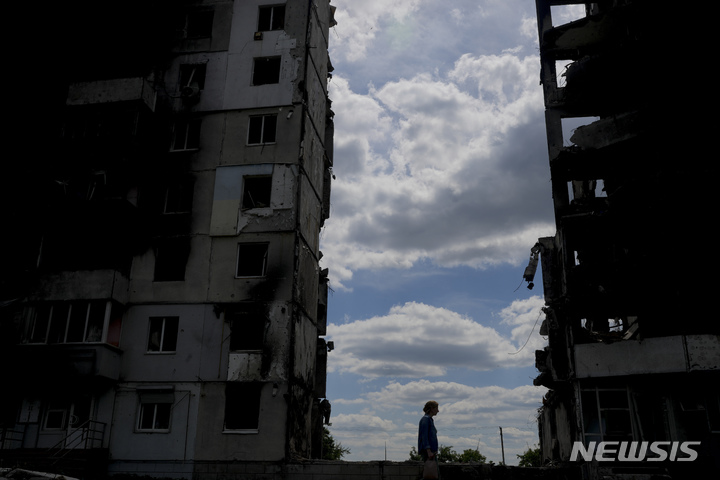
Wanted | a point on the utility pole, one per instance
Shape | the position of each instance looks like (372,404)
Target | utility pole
(502,445)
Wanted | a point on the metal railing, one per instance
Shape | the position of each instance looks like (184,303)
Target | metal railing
(88,435)
(12,437)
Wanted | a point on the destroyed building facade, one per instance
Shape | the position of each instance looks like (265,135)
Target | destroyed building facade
(633,348)
(163,304)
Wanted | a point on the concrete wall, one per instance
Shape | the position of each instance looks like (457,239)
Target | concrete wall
(334,470)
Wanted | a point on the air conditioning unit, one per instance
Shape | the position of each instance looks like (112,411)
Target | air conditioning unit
(190,92)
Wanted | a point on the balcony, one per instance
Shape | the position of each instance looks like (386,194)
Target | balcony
(675,354)
(112,91)
(67,362)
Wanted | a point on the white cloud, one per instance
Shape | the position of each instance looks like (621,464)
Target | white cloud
(418,340)
(469,417)
(436,168)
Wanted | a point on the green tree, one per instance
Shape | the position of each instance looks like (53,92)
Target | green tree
(530,458)
(414,455)
(471,455)
(332,450)
(446,454)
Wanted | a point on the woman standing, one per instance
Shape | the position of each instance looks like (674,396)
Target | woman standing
(427,435)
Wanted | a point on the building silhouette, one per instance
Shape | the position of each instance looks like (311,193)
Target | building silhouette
(163,308)
(633,351)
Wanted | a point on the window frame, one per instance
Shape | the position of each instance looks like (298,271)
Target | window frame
(244,408)
(271,23)
(248,181)
(264,131)
(142,407)
(196,73)
(598,410)
(261,76)
(264,259)
(190,139)
(59,318)
(161,344)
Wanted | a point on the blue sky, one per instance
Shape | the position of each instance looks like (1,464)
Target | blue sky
(442,188)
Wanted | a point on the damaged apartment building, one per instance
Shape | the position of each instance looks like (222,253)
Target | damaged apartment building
(629,278)
(163,308)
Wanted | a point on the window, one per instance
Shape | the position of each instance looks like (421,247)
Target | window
(72,412)
(199,24)
(178,197)
(262,129)
(242,406)
(154,417)
(170,259)
(193,74)
(256,192)
(271,18)
(606,415)
(248,329)
(56,415)
(266,70)
(252,260)
(162,337)
(68,322)
(186,135)
(155,409)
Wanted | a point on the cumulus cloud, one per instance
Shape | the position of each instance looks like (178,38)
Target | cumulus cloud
(438,169)
(418,340)
(468,418)
(434,163)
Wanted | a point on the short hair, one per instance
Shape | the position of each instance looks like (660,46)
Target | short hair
(430,405)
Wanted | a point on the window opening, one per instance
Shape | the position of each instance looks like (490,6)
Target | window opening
(252,260)
(162,337)
(256,192)
(266,70)
(193,74)
(248,330)
(69,322)
(186,135)
(154,417)
(242,406)
(271,18)
(170,259)
(606,415)
(178,197)
(262,129)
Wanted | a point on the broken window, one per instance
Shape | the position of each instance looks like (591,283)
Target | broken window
(606,415)
(262,129)
(248,329)
(199,24)
(162,337)
(242,406)
(170,259)
(271,18)
(252,259)
(256,192)
(68,322)
(186,135)
(193,74)
(266,70)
